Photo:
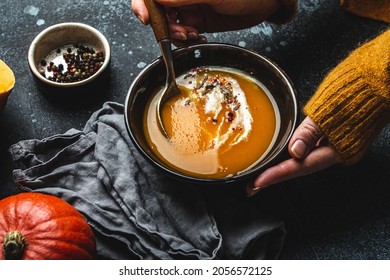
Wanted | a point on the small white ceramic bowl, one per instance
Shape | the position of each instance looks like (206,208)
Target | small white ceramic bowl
(57,36)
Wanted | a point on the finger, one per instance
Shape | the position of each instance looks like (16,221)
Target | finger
(180,32)
(319,159)
(178,43)
(140,10)
(179,3)
(305,138)
(191,15)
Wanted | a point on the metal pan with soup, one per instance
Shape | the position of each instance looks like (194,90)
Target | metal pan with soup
(222,123)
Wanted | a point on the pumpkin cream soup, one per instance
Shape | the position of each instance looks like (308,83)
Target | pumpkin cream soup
(222,123)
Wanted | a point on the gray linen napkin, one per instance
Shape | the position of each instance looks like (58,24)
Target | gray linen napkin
(136,211)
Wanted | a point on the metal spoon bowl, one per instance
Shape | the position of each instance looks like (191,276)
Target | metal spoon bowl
(159,23)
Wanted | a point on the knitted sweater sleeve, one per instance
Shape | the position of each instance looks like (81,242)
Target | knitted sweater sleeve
(352,104)
(375,9)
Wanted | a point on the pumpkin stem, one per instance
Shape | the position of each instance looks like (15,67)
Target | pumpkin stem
(13,245)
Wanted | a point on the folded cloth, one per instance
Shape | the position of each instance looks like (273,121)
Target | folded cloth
(136,211)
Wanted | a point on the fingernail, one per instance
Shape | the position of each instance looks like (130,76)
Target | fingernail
(141,19)
(252,190)
(193,36)
(179,36)
(203,40)
(299,149)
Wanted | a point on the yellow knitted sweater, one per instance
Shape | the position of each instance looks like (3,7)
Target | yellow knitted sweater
(352,104)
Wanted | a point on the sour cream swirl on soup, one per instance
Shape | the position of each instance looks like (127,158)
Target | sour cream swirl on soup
(222,101)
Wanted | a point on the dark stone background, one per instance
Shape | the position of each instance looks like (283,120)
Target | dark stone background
(340,213)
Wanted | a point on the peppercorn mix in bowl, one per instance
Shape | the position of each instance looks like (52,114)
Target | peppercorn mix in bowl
(69,57)
(234,116)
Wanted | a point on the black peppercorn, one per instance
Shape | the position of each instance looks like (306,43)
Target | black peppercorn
(81,63)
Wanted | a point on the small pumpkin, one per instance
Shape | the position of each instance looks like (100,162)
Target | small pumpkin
(7,82)
(40,226)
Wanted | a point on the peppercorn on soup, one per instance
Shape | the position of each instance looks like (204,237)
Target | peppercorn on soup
(222,123)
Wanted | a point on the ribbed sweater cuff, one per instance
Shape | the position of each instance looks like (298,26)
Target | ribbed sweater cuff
(285,13)
(375,9)
(352,105)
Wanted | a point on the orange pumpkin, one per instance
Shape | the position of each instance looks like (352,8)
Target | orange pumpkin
(7,82)
(39,226)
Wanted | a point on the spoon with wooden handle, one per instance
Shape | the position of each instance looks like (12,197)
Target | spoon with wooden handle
(159,23)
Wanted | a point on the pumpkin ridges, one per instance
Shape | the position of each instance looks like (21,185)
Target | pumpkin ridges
(21,221)
(61,250)
(3,226)
(76,235)
(57,250)
(21,212)
(83,240)
(25,214)
(10,214)
(52,228)
(76,232)
(33,255)
(9,221)
(48,225)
